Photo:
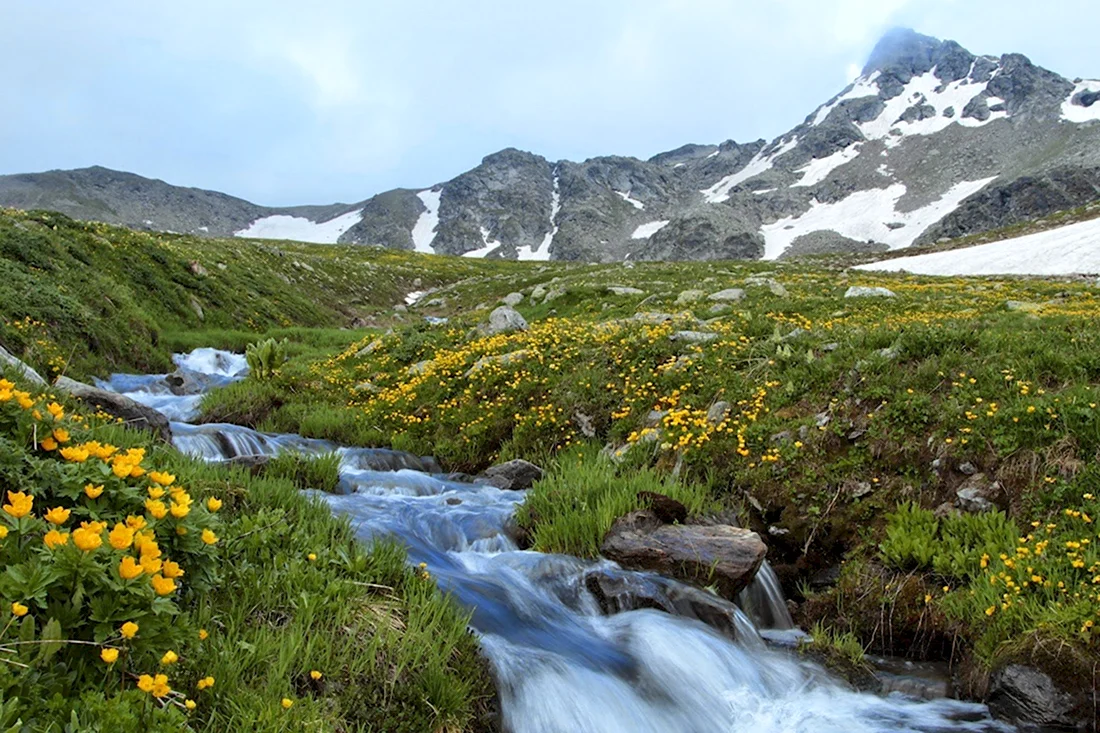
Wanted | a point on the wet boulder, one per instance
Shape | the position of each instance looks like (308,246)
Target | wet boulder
(1027,696)
(186,382)
(515,475)
(134,414)
(721,555)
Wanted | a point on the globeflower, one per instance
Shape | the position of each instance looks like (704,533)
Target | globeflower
(213,503)
(21,504)
(170,657)
(57,515)
(56,410)
(48,443)
(74,454)
(129,630)
(109,655)
(155,492)
(287,703)
(121,536)
(163,586)
(93,492)
(179,511)
(129,569)
(205,682)
(135,523)
(3,531)
(172,569)
(315,674)
(61,435)
(86,539)
(156,508)
(209,537)
(18,609)
(54,538)
(161,477)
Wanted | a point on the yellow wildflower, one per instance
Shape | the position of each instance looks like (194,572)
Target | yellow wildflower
(56,410)
(205,682)
(74,454)
(121,536)
(21,504)
(109,655)
(203,634)
(54,538)
(213,504)
(93,492)
(179,511)
(315,674)
(162,585)
(3,531)
(170,657)
(129,630)
(61,435)
(135,522)
(86,539)
(156,508)
(189,704)
(287,703)
(129,569)
(155,492)
(312,557)
(209,537)
(172,569)
(19,610)
(161,477)
(48,443)
(57,515)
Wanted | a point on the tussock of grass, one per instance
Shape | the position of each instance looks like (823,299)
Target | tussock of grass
(320,472)
(571,509)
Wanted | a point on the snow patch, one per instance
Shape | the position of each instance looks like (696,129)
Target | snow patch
(645,231)
(633,202)
(483,251)
(760,163)
(763,191)
(423,232)
(711,155)
(1068,250)
(1076,113)
(414,297)
(818,169)
(927,89)
(864,86)
(204,229)
(864,215)
(542,252)
(301,229)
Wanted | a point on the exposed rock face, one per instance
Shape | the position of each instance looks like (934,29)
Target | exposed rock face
(930,141)
(515,475)
(862,291)
(133,413)
(727,557)
(10,360)
(1025,695)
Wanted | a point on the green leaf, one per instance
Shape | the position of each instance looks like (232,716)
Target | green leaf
(51,634)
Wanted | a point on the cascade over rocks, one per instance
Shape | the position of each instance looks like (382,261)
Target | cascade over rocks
(725,556)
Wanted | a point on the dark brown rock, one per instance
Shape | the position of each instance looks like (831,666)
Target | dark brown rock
(720,555)
(667,509)
(514,475)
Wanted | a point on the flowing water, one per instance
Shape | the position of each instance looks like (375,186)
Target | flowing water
(561,665)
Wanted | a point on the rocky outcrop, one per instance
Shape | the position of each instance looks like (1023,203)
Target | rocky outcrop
(713,233)
(1026,696)
(134,414)
(9,360)
(724,556)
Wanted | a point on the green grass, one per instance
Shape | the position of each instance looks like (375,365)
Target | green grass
(570,510)
(320,472)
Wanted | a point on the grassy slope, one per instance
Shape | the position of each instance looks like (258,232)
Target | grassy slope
(912,387)
(942,375)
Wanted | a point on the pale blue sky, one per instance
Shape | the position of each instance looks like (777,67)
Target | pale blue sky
(311,102)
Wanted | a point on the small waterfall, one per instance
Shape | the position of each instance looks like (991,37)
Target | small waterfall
(763,601)
(584,646)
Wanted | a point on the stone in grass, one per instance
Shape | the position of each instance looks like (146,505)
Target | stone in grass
(727,295)
(512,299)
(505,319)
(690,296)
(863,291)
(620,290)
(514,475)
(133,413)
(693,337)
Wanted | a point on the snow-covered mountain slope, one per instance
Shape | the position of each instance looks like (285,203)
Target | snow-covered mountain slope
(1073,249)
(929,142)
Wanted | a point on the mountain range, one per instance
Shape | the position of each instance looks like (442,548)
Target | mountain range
(929,142)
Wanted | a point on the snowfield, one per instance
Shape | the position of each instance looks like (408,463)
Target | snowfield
(818,169)
(1069,250)
(424,230)
(720,191)
(301,229)
(865,216)
(645,231)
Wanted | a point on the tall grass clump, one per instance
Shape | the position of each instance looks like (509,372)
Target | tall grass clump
(320,472)
(573,507)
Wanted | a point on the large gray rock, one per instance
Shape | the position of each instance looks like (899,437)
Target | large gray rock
(505,319)
(720,555)
(514,475)
(727,295)
(863,291)
(134,414)
(512,299)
